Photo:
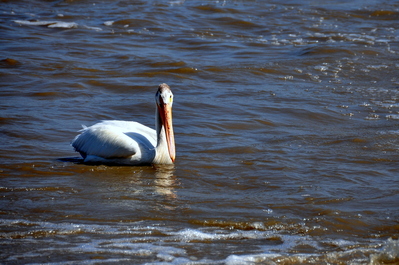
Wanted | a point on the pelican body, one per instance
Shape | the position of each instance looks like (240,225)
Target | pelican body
(128,142)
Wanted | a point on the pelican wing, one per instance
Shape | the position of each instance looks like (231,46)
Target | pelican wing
(116,139)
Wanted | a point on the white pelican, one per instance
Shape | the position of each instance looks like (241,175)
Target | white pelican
(131,143)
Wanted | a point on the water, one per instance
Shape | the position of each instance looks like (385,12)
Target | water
(285,119)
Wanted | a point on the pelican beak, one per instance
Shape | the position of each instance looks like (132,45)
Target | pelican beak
(166,116)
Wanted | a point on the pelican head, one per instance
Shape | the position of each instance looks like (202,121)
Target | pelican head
(164,101)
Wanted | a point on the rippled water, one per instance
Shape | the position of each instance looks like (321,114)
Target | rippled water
(285,119)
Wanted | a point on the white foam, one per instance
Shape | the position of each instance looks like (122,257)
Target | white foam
(321,68)
(109,23)
(392,117)
(34,23)
(390,252)
(249,259)
(188,235)
(65,25)
(93,28)
(192,234)
(50,24)
(377,67)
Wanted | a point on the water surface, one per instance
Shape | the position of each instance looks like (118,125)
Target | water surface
(285,119)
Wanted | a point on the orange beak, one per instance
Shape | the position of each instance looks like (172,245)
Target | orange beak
(165,111)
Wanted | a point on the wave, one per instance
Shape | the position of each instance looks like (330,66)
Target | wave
(141,242)
(54,24)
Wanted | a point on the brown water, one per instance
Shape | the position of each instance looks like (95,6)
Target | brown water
(286,124)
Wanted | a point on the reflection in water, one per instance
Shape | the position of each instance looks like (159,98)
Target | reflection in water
(165,181)
(132,182)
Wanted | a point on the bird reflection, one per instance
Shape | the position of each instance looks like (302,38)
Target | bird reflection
(165,181)
(134,183)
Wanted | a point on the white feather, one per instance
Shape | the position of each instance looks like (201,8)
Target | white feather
(127,141)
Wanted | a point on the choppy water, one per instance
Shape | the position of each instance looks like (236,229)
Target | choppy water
(286,123)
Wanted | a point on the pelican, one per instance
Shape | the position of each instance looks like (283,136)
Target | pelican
(129,142)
